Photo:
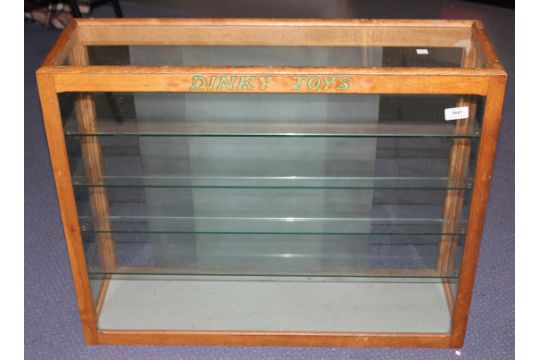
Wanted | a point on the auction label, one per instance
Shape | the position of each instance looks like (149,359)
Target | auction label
(456,113)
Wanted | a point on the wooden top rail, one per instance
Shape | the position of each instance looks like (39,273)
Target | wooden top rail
(276,22)
(272,32)
(481,41)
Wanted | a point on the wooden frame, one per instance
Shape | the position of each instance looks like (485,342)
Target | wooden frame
(487,80)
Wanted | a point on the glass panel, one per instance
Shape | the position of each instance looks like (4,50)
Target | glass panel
(273,254)
(180,202)
(286,225)
(283,182)
(355,196)
(320,232)
(269,163)
(272,115)
(318,56)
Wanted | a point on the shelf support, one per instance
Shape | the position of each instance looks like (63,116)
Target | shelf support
(460,154)
(93,164)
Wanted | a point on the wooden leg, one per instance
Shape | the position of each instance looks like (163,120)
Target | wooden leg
(66,199)
(480,194)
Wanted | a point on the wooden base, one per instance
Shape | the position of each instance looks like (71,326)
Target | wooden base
(272,339)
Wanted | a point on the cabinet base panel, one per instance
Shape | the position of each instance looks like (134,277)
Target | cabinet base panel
(180,303)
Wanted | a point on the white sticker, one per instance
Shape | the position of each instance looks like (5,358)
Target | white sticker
(422,52)
(456,113)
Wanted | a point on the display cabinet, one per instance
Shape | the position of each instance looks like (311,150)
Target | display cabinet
(273,182)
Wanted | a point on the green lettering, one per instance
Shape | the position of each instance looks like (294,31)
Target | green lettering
(299,80)
(211,83)
(198,82)
(314,83)
(228,81)
(328,82)
(263,82)
(344,83)
(245,83)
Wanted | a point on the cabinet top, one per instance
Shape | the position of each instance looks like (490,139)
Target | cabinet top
(275,55)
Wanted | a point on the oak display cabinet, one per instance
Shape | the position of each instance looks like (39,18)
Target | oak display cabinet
(273,182)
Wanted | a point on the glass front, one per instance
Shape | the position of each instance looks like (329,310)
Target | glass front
(293,212)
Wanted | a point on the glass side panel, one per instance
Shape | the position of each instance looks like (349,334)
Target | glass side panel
(351,195)
(317,56)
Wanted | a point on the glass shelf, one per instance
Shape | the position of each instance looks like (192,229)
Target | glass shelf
(268,115)
(283,182)
(346,163)
(276,226)
(270,247)
(384,275)
(204,128)
(215,255)
(270,256)
(157,203)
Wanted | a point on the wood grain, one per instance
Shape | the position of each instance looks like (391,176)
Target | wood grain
(268,34)
(278,22)
(362,80)
(460,154)
(299,32)
(66,200)
(62,46)
(102,294)
(487,49)
(229,338)
(331,32)
(93,165)
(478,207)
